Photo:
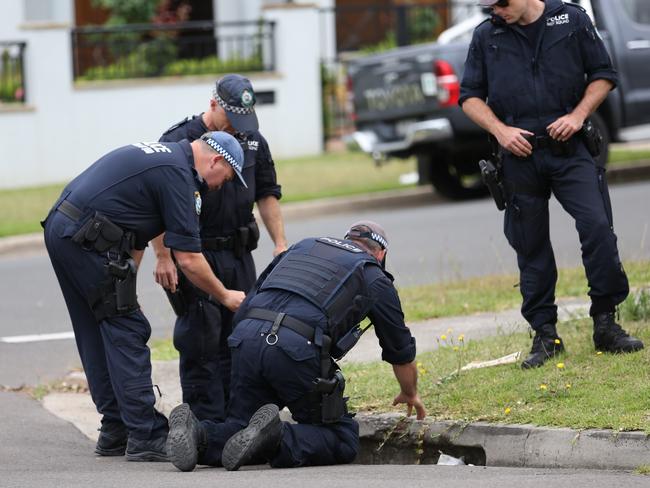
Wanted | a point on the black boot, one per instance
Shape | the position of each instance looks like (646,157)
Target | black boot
(546,344)
(147,450)
(186,438)
(610,336)
(259,440)
(112,439)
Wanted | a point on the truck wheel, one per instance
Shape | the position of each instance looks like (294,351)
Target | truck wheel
(448,181)
(600,124)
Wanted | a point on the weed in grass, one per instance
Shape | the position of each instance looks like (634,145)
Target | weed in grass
(643,469)
(636,307)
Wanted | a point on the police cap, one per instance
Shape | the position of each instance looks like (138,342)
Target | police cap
(235,95)
(487,3)
(228,147)
(367,229)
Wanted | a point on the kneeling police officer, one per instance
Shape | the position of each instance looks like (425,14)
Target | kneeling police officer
(303,311)
(95,235)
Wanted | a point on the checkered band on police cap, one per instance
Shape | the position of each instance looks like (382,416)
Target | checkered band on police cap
(226,145)
(246,100)
(369,230)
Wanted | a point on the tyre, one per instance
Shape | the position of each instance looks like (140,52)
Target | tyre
(448,179)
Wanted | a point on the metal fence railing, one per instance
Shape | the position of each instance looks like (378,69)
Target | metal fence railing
(187,48)
(12,72)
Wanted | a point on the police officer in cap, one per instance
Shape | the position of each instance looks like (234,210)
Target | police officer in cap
(303,311)
(543,70)
(229,233)
(95,236)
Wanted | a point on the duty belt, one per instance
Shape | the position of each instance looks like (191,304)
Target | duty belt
(218,243)
(69,210)
(281,319)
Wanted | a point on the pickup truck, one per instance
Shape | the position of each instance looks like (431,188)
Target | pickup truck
(406,100)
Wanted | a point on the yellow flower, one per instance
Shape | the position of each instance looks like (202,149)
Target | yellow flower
(443,337)
(419,364)
(557,341)
(507,410)
(599,353)
(560,365)
(543,386)
(461,337)
(422,371)
(456,348)
(567,386)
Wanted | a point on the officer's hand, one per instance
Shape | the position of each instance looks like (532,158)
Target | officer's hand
(166,274)
(233,299)
(279,250)
(512,139)
(411,401)
(564,127)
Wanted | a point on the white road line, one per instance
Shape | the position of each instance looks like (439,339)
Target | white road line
(57,336)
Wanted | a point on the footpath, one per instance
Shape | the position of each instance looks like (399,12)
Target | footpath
(393,439)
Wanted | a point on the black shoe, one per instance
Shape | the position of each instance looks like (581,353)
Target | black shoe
(112,439)
(610,336)
(147,450)
(185,439)
(259,440)
(546,344)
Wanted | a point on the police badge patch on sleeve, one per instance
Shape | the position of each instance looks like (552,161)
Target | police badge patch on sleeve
(197,202)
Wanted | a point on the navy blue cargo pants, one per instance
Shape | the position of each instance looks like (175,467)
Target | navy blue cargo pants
(581,188)
(113,352)
(200,336)
(282,374)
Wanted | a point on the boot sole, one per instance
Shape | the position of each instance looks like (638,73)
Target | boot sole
(619,351)
(525,365)
(182,439)
(242,446)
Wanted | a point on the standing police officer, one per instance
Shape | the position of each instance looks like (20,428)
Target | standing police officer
(304,310)
(229,233)
(95,235)
(543,69)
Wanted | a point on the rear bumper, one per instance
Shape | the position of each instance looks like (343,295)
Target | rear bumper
(416,133)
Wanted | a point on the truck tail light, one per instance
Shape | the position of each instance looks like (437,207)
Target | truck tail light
(448,83)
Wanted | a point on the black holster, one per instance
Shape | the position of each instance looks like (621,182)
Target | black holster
(333,405)
(246,238)
(177,301)
(491,176)
(116,295)
(592,138)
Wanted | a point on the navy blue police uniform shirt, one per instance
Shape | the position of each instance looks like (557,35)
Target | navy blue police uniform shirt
(395,339)
(146,188)
(528,85)
(231,206)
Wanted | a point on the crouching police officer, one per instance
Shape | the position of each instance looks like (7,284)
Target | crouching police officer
(303,311)
(95,234)
(543,69)
(228,233)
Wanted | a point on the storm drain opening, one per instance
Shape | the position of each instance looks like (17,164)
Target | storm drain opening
(375,452)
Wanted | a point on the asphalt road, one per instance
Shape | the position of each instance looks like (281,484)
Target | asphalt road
(428,243)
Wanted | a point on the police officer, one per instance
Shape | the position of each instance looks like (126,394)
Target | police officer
(543,69)
(95,235)
(302,312)
(229,233)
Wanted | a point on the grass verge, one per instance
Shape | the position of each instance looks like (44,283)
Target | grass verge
(580,389)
